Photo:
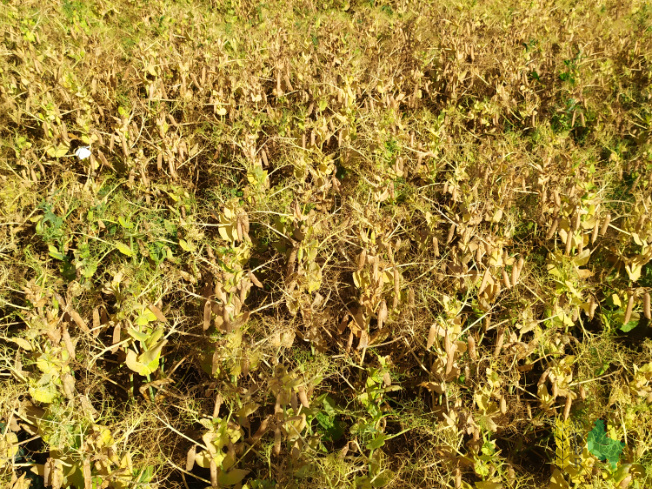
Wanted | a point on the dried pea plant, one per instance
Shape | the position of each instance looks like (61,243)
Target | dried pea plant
(325,244)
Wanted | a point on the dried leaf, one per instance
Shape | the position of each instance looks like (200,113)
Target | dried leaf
(157,312)
(364,340)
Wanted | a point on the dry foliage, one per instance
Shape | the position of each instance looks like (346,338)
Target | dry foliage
(324,244)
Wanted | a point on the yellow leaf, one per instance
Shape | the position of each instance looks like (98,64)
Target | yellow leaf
(356,279)
(8,447)
(60,151)
(232,477)
(227,232)
(583,258)
(45,393)
(186,246)
(488,485)
(634,271)
(203,459)
(147,362)
(557,481)
(23,343)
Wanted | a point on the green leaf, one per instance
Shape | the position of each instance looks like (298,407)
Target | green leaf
(382,479)
(377,442)
(633,322)
(146,474)
(124,223)
(603,447)
(145,318)
(137,335)
(331,427)
(55,253)
(124,249)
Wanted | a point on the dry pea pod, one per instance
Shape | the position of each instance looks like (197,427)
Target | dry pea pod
(515,274)
(190,458)
(382,314)
(397,290)
(303,397)
(86,470)
(500,338)
(582,392)
(294,402)
(79,321)
(362,259)
(451,233)
(503,405)
(435,246)
(544,377)
(508,284)
(646,305)
(213,469)
(552,228)
(483,284)
(411,297)
(47,468)
(596,229)
(521,264)
(576,221)
(472,351)
(511,474)
(605,225)
(245,365)
(569,243)
(207,315)
(116,337)
(255,280)
(450,352)
(567,407)
(448,344)
(628,311)
(592,307)
(277,441)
